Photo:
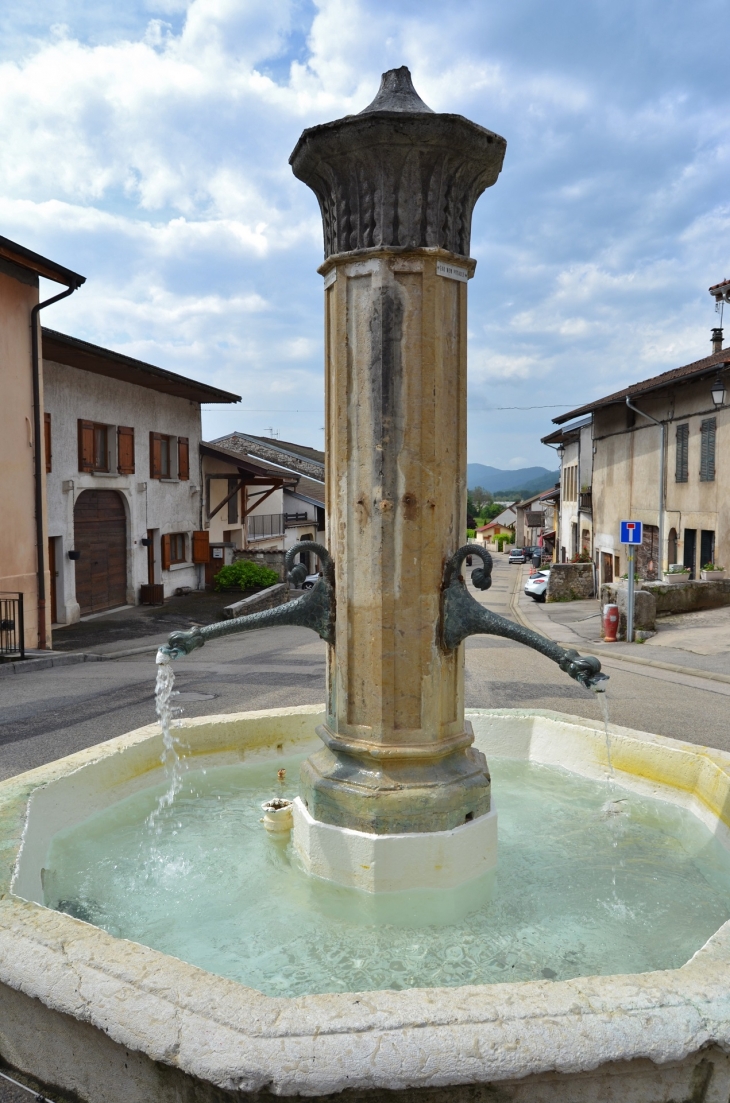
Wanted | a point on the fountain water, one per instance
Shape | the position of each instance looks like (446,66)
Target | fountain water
(394,825)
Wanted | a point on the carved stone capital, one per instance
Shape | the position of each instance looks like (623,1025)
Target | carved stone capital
(398,174)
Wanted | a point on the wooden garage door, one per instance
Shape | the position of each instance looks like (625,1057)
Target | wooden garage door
(100,536)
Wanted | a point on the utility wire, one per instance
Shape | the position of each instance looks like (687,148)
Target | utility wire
(476,409)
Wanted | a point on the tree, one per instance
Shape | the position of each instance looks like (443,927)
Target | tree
(480,497)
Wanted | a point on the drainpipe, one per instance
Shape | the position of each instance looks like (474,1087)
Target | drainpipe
(660,564)
(38,458)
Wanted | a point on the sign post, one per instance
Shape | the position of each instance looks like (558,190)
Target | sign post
(631,535)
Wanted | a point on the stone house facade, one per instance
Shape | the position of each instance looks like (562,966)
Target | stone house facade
(574,522)
(23,454)
(280,502)
(660,454)
(123,477)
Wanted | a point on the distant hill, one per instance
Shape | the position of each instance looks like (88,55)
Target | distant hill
(526,480)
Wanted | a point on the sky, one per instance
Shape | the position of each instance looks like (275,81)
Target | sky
(145,144)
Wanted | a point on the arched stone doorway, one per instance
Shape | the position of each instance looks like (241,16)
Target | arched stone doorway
(100,538)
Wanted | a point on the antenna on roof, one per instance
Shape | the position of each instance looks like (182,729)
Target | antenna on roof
(272,433)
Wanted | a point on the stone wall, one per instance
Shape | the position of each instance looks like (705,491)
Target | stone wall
(267,598)
(645,607)
(272,558)
(685,597)
(570,582)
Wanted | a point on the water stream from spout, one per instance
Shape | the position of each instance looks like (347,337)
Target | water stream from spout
(167,715)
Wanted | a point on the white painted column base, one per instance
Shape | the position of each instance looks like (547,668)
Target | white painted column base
(395,863)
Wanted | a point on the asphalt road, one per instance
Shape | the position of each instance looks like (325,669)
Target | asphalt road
(51,713)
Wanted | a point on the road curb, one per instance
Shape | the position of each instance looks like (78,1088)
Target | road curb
(636,660)
(48,662)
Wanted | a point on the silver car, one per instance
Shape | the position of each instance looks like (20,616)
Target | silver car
(517,555)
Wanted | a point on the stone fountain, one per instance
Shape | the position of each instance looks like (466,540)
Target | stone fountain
(398,795)
(395,792)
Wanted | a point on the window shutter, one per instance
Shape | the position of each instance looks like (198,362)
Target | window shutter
(183,458)
(47,440)
(707,452)
(125,450)
(681,467)
(155,456)
(165,543)
(86,445)
(201,546)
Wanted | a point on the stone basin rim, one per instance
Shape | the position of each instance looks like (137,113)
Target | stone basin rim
(239,1039)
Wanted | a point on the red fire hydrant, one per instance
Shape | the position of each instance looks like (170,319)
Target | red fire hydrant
(610,623)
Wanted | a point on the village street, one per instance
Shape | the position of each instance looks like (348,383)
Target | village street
(50,713)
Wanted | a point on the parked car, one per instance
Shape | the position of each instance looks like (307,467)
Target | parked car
(536,585)
(517,555)
(311,580)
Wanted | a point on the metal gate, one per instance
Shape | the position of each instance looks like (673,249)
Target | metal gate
(12,633)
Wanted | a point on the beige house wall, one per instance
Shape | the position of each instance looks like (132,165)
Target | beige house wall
(626,472)
(18,559)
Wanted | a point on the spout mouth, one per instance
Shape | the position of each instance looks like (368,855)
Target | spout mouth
(598,683)
(165,655)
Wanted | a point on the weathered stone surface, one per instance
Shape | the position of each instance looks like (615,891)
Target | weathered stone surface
(267,598)
(689,596)
(116,1022)
(644,608)
(398,174)
(570,582)
(396,185)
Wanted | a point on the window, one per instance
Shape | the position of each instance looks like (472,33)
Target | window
(93,446)
(160,455)
(570,483)
(47,440)
(681,466)
(707,450)
(125,450)
(173,549)
(183,458)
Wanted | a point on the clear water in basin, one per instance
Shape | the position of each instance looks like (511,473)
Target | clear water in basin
(584,886)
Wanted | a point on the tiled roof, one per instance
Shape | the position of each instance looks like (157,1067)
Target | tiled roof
(707,366)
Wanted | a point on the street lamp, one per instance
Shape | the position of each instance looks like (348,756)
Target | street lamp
(718,392)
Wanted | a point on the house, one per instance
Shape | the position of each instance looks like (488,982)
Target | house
(24,574)
(123,478)
(658,452)
(502,525)
(530,520)
(274,493)
(574,527)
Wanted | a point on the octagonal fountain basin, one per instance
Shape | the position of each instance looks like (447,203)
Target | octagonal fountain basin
(172,948)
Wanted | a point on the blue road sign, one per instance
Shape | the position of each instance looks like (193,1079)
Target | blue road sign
(631,532)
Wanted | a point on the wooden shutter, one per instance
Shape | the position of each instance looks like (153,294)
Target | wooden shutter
(165,543)
(86,445)
(707,452)
(155,455)
(201,546)
(681,467)
(183,458)
(125,450)
(47,440)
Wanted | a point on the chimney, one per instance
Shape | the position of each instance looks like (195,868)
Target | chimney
(717,340)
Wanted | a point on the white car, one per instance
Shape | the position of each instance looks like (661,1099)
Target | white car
(536,585)
(311,581)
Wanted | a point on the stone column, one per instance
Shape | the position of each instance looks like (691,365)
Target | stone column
(396,186)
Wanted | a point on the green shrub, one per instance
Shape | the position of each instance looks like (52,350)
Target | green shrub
(243,575)
(470,534)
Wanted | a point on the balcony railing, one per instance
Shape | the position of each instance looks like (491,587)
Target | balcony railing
(586,501)
(296,519)
(12,633)
(264,525)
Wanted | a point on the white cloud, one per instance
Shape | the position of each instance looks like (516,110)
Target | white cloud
(146,146)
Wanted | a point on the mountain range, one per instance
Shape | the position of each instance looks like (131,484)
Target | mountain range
(526,479)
